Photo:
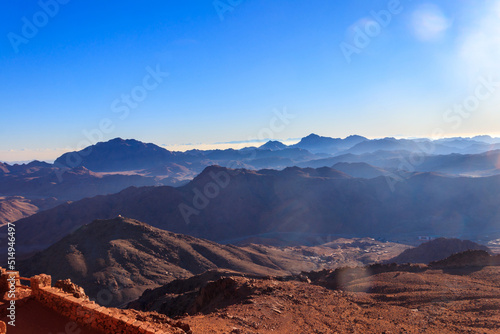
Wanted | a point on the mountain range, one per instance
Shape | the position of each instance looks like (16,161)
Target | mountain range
(108,167)
(227,205)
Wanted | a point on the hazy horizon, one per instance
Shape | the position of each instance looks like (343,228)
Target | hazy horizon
(49,155)
(175,73)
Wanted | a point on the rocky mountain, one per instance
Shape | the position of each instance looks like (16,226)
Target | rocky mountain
(423,146)
(109,167)
(486,139)
(482,164)
(3,168)
(386,144)
(273,145)
(360,169)
(226,205)
(437,249)
(380,159)
(125,257)
(117,155)
(13,208)
(479,164)
(67,184)
(112,166)
(319,144)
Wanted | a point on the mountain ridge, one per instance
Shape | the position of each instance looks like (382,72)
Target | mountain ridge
(224,204)
(126,256)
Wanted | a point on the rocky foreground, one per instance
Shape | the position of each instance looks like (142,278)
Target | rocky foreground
(459,294)
(456,296)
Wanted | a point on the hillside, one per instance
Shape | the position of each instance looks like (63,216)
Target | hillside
(13,208)
(125,257)
(360,169)
(435,250)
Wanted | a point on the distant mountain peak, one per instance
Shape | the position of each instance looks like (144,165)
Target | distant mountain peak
(125,142)
(117,155)
(117,139)
(356,137)
(319,144)
(273,145)
(37,163)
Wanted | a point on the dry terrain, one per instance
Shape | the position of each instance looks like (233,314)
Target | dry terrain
(126,257)
(432,301)
(13,208)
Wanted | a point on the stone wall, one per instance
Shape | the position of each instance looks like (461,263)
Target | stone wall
(85,312)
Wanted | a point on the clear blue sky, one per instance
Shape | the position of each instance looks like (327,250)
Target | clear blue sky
(231,68)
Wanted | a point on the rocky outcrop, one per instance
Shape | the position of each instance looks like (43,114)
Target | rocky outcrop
(69,287)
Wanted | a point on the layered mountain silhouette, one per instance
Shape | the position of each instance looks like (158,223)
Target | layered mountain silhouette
(108,167)
(483,164)
(226,205)
(66,184)
(319,144)
(401,162)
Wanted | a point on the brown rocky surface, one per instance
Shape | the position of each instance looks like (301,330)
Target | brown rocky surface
(459,294)
(70,287)
(387,299)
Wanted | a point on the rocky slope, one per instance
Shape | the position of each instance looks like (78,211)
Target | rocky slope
(13,208)
(125,257)
(435,250)
(385,299)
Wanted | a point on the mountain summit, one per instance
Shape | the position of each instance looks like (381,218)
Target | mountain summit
(273,145)
(318,144)
(117,155)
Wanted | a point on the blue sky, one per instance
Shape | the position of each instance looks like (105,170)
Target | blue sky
(233,66)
